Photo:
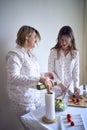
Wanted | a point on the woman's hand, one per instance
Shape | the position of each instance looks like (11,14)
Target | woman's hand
(47,82)
(50,75)
(76,91)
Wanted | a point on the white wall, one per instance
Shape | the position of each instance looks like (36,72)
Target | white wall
(48,16)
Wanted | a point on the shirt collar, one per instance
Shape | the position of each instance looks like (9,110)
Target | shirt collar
(23,49)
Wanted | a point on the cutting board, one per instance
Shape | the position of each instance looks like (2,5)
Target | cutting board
(81,103)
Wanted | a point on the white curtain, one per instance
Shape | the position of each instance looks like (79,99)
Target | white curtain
(85,44)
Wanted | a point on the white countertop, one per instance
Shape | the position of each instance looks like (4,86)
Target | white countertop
(33,120)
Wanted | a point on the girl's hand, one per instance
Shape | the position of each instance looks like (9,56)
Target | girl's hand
(63,87)
(76,91)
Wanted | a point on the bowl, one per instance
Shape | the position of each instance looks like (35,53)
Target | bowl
(60,105)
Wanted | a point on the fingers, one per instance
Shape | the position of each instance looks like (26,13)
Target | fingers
(76,91)
(49,75)
(52,83)
(49,84)
(48,89)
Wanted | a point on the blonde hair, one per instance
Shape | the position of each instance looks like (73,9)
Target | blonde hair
(23,32)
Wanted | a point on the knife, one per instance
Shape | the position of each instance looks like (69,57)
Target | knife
(65,93)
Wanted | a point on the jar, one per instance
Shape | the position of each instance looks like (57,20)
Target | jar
(85,91)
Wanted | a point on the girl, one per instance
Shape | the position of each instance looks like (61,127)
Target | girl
(64,61)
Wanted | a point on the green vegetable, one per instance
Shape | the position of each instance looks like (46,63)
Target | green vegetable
(59,105)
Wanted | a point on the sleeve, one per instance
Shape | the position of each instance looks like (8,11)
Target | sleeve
(75,73)
(13,65)
(51,66)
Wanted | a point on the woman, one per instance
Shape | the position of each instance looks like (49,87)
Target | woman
(64,61)
(23,72)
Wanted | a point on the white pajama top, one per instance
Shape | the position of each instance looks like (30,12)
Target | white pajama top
(65,69)
(23,74)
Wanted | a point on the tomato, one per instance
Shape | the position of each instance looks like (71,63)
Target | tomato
(74,99)
(69,119)
(72,123)
(69,116)
(78,100)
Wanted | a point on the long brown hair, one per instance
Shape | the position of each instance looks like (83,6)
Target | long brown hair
(22,33)
(65,31)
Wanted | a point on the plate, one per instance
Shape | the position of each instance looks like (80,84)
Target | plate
(65,125)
